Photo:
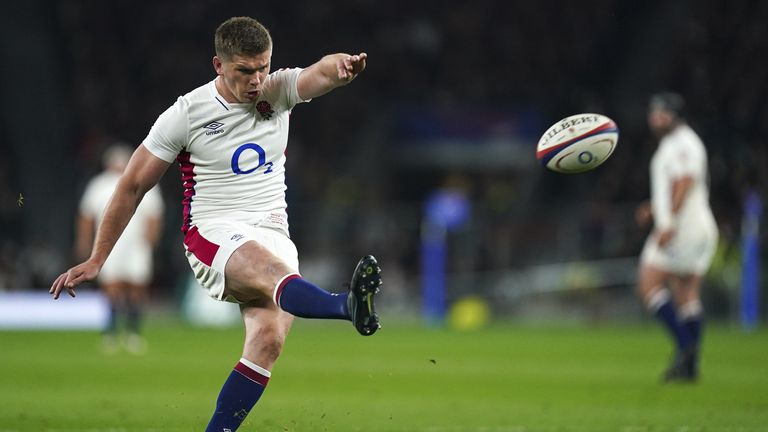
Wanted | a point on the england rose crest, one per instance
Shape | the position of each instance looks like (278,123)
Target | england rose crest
(265,109)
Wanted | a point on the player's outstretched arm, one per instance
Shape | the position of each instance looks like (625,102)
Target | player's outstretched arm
(330,72)
(143,172)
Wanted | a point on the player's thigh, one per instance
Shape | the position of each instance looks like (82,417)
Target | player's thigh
(650,280)
(266,328)
(255,268)
(252,272)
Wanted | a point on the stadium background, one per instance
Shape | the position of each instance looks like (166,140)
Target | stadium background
(455,95)
(454,98)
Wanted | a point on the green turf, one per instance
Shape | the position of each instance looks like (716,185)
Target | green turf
(508,378)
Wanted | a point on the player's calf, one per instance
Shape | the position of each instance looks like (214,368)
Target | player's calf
(301,298)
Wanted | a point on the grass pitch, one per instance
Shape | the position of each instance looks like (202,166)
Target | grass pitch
(505,378)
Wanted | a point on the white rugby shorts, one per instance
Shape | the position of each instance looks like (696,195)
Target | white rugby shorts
(132,265)
(689,252)
(210,244)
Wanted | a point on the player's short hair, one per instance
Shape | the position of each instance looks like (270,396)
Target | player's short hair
(668,101)
(241,36)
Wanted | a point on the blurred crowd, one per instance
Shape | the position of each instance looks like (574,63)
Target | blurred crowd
(353,187)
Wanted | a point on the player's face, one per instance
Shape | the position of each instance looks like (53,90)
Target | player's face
(241,78)
(660,121)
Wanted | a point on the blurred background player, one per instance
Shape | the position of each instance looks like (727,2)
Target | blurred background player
(680,248)
(229,137)
(125,276)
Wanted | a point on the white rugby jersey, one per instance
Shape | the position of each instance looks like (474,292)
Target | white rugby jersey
(231,155)
(95,199)
(681,153)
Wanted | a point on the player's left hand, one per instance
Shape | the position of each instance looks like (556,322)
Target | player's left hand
(664,237)
(349,66)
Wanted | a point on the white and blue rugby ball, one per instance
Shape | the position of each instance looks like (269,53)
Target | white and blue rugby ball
(578,143)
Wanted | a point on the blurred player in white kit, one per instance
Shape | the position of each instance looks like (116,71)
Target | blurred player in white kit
(125,276)
(681,246)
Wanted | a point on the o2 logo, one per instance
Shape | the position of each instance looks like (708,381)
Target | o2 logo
(262,159)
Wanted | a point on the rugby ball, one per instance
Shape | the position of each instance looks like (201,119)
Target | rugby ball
(578,143)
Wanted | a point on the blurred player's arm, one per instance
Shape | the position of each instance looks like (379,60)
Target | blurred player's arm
(143,172)
(330,72)
(680,188)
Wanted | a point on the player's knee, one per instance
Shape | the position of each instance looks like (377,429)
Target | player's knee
(691,309)
(656,298)
(645,290)
(267,344)
(270,349)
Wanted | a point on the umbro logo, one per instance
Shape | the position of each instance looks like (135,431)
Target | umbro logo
(214,128)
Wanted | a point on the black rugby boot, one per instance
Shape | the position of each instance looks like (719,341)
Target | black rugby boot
(364,285)
(684,367)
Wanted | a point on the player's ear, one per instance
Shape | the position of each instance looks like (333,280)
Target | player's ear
(218,65)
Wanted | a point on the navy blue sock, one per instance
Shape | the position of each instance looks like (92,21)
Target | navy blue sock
(239,394)
(666,313)
(694,326)
(303,299)
(692,318)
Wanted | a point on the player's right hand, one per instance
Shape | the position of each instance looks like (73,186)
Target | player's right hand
(349,67)
(664,237)
(78,274)
(643,214)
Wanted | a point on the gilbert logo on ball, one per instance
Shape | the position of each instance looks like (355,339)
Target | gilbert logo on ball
(578,143)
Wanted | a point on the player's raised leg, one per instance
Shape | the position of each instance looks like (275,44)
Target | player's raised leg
(292,293)
(252,272)
(266,328)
